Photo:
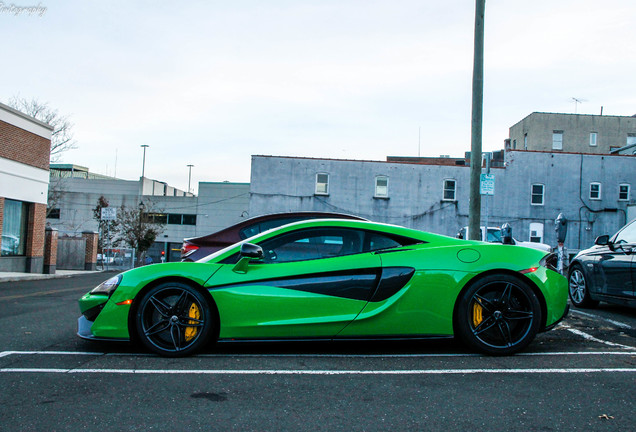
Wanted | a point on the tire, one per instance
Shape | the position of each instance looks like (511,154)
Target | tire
(174,320)
(498,315)
(579,288)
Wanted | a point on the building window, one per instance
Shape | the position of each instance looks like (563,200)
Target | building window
(449,190)
(181,219)
(536,232)
(595,191)
(631,139)
(623,192)
(525,141)
(53,213)
(557,140)
(538,191)
(381,186)
(14,228)
(514,144)
(593,138)
(322,184)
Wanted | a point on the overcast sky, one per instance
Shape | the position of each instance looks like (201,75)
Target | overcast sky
(211,83)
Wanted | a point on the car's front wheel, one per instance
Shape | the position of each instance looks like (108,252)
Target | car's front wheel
(579,289)
(498,315)
(173,319)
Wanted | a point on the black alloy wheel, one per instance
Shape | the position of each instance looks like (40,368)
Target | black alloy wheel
(499,315)
(579,288)
(173,320)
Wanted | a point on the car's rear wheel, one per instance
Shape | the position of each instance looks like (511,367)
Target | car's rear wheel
(498,315)
(174,320)
(579,289)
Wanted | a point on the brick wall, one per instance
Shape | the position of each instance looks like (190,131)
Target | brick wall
(90,257)
(35,230)
(23,146)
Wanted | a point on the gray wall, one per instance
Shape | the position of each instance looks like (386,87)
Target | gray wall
(612,132)
(415,192)
(217,206)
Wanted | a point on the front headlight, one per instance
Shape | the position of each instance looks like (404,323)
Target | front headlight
(107,287)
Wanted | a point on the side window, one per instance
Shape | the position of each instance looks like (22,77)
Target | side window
(627,235)
(595,191)
(593,139)
(377,241)
(322,184)
(623,192)
(537,194)
(449,190)
(312,244)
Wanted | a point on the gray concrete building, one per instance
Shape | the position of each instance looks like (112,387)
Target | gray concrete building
(593,191)
(184,215)
(576,133)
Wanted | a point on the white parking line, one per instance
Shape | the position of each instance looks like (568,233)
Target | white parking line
(317,355)
(611,321)
(594,339)
(319,372)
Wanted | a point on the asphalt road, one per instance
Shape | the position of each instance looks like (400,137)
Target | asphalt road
(580,376)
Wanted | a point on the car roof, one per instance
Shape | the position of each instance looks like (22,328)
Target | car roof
(227,234)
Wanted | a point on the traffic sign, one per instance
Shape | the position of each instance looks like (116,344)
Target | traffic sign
(487,184)
(109,213)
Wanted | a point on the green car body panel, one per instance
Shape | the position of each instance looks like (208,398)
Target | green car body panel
(420,283)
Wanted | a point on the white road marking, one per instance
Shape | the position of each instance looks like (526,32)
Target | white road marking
(616,323)
(594,339)
(361,356)
(320,372)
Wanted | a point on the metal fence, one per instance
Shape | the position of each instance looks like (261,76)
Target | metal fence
(116,259)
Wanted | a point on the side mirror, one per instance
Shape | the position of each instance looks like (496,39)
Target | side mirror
(250,250)
(602,240)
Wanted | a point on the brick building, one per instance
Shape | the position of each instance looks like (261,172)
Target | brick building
(25,145)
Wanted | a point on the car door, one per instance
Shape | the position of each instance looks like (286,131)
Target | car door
(617,265)
(310,283)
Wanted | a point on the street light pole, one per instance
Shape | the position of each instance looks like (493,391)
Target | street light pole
(189,175)
(474,208)
(143,165)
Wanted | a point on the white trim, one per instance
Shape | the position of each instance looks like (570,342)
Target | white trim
(629,191)
(23,182)
(25,122)
(444,190)
(542,194)
(375,194)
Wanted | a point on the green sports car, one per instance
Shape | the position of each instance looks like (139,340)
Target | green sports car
(334,279)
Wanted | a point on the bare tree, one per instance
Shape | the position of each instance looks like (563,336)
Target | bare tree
(62,136)
(136,230)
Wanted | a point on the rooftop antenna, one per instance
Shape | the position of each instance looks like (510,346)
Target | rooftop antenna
(576,103)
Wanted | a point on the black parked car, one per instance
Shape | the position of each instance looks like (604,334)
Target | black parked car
(606,271)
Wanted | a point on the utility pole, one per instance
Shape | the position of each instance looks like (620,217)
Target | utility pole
(474,210)
(189,175)
(143,164)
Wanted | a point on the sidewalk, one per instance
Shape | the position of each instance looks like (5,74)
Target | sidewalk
(15,277)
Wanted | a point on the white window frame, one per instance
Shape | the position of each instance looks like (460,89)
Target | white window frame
(593,139)
(454,189)
(532,194)
(537,228)
(631,139)
(627,185)
(600,191)
(378,190)
(320,189)
(556,143)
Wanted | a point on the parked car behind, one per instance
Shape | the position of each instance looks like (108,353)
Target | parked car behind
(196,248)
(606,271)
(494,236)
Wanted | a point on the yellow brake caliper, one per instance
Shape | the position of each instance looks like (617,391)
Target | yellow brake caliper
(477,314)
(191,332)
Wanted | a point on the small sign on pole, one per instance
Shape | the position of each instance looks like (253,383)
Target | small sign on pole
(487,184)
(109,213)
